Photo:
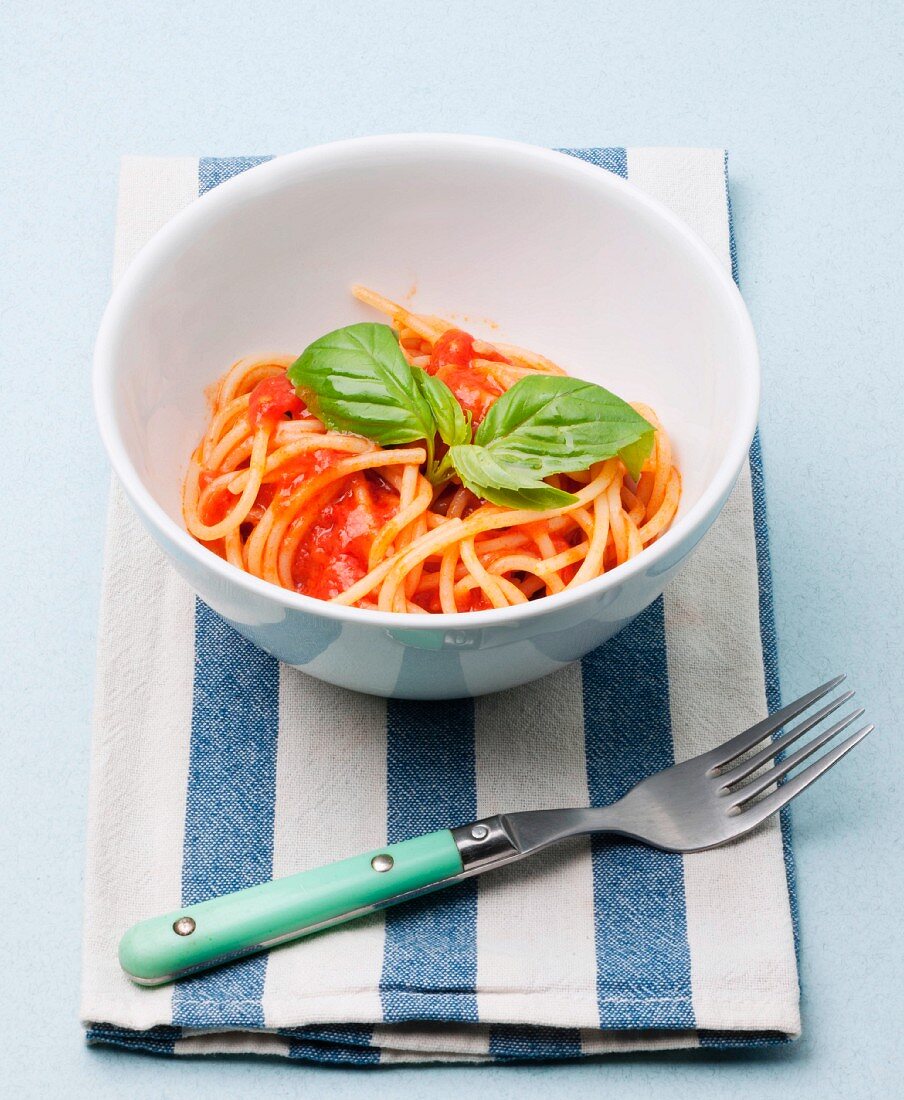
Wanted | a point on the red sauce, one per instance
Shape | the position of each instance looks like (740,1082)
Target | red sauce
(273,400)
(478,600)
(333,555)
(219,504)
(429,602)
(454,347)
(451,359)
(474,392)
(293,473)
(306,465)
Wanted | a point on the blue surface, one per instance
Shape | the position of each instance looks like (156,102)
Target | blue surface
(807,97)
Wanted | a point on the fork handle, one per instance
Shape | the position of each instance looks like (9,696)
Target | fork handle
(199,936)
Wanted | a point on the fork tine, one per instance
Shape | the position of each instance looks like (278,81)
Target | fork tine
(725,753)
(754,763)
(772,802)
(764,781)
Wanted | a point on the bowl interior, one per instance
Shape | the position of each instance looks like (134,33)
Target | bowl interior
(537,250)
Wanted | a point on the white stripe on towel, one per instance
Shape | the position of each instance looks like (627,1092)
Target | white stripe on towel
(330,804)
(232,1042)
(151,191)
(142,722)
(628,1042)
(143,706)
(691,183)
(736,895)
(536,954)
(441,1042)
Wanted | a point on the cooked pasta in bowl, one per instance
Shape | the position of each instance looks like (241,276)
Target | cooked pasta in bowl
(454,486)
(296,487)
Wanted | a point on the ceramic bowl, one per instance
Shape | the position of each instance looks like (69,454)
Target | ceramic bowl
(542,249)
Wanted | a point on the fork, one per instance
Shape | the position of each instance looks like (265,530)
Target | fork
(698,804)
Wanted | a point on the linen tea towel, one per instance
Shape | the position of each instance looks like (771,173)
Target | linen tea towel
(214,768)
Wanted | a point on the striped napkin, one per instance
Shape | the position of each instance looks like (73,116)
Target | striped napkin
(215,768)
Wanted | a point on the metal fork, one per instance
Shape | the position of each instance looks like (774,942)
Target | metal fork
(711,798)
(701,803)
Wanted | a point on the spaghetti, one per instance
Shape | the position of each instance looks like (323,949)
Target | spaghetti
(336,516)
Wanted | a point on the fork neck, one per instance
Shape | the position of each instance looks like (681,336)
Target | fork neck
(504,838)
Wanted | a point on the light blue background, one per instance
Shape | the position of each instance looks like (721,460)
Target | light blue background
(808,98)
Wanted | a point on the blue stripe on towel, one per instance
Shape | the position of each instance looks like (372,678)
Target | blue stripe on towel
(332,1053)
(642,954)
(761,528)
(760,525)
(741,1040)
(613,159)
(764,571)
(770,657)
(155,1040)
(229,807)
(346,1044)
(215,170)
(430,952)
(518,1042)
(732,244)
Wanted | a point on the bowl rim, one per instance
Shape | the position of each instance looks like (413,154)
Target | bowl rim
(166,240)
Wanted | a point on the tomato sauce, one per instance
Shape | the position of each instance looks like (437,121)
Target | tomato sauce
(451,361)
(306,465)
(218,505)
(292,474)
(272,400)
(478,600)
(453,348)
(333,555)
(473,392)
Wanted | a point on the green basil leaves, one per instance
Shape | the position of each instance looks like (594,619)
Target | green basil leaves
(504,483)
(357,380)
(555,425)
(451,423)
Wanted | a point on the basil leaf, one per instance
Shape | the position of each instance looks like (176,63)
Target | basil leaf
(451,423)
(504,483)
(555,424)
(356,379)
(636,454)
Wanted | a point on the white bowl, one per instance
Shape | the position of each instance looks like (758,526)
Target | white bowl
(563,257)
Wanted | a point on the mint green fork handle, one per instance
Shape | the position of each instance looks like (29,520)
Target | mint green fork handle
(199,936)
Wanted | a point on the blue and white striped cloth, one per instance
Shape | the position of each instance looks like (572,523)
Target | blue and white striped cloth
(216,768)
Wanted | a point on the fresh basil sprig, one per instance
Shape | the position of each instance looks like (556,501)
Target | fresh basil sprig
(504,483)
(549,424)
(555,424)
(357,379)
(452,424)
